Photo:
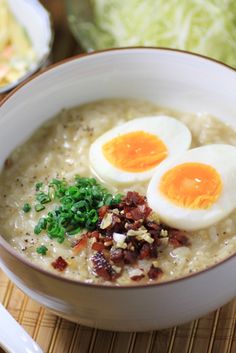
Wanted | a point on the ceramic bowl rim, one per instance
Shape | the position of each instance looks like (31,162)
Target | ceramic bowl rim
(7,247)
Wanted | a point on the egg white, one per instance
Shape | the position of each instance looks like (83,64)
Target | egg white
(174,134)
(219,156)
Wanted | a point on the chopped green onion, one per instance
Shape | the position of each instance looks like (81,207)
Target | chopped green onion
(42,250)
(77,206)
(75,231)
(39,207)
(42,224)
(42,197)
(38,186)
(26,208)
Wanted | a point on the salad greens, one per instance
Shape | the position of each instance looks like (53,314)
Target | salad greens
(207,27)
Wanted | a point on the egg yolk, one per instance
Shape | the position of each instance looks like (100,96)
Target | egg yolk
(136,151)
(192,185)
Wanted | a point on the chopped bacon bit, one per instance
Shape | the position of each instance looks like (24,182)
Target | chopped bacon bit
(8,163)
(134,198)
(145,251)
(106,253)
(80,245)
(102,211)
(135,214)
(129,217)
(95,234)
(102,267)
(130,257)
(135,206)
(155,236)
(59,264)
(153,225)
(133,226)
(108,238)
(153,250)
(178,238)
(117,256)
(97,246)
(137,278)
(115,219)
(154,272)
(108,243)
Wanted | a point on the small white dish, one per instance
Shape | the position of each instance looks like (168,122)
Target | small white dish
(13,337)
(36,21)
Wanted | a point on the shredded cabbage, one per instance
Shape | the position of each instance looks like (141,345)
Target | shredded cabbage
(207,27)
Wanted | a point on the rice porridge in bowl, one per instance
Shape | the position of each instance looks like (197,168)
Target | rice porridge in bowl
(79,197)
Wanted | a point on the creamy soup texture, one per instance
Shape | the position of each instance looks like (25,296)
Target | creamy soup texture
(59,149)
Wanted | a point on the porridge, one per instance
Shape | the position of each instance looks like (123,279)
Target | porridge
(108,233)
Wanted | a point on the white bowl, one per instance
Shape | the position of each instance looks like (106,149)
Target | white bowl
(36,21)
(175,79)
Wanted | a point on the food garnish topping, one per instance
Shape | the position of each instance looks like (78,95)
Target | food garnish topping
(42,250)
(26,208)
(77,206)
(115,231)
(60,264)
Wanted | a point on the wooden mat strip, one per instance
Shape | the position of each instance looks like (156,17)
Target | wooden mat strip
(22,309)
(38,323)
(54,335)
(214,333)
(132,342)
(232,342)
(73,338)
(172,340)
(8,294)
(111,346)
(192,336)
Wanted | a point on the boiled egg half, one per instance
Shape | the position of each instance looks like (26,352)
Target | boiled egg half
(131,152)
(196,189)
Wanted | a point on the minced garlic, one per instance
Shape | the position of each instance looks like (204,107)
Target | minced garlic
(141,234)
(164,233)
(106,221)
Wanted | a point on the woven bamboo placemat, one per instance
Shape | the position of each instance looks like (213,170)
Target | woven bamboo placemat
(214,333)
